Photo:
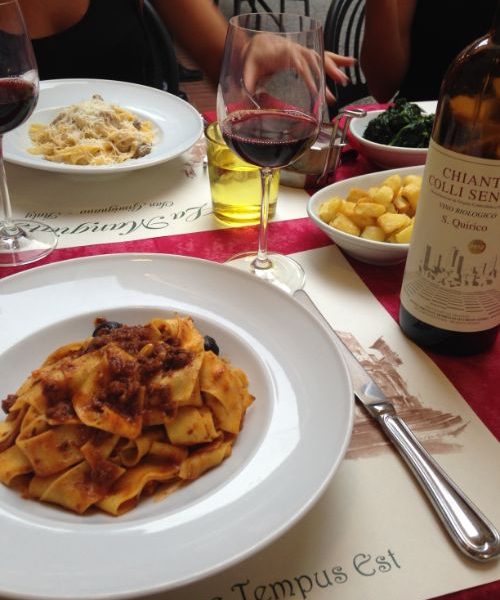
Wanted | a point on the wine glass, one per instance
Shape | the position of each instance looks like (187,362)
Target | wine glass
(21,241)
(270,103)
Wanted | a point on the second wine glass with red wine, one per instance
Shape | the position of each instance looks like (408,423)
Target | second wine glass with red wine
(21,241)
(270,103)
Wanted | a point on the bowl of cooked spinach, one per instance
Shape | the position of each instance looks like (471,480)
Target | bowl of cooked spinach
(397,136)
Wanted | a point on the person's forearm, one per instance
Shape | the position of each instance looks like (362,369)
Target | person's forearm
(386,45)
(200,28)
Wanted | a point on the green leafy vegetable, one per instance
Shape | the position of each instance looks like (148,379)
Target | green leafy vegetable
(405,124)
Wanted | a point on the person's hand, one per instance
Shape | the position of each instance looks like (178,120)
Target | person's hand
(268,54)
(333,70)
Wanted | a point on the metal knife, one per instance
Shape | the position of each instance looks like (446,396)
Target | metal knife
(471,531)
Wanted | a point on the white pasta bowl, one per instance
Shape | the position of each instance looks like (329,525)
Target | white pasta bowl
(382,155)
(364,250)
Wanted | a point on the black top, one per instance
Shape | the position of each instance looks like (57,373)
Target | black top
(109,42)
(441,30)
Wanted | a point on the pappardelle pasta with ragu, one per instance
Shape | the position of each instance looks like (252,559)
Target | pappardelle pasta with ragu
(108,420)
(92,132)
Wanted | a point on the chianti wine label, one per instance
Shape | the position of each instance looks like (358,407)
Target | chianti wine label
(451,277)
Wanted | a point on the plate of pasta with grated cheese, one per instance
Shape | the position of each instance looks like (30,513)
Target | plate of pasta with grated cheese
(160,422)
(92,126)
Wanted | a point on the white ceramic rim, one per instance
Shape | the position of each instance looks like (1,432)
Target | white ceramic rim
(178,125)
(357,127)
(294,437)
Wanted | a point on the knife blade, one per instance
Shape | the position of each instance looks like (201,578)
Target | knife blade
(471,531)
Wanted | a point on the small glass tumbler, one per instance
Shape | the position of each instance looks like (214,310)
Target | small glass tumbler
(235,185)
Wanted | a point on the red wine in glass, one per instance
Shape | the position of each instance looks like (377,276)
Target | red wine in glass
(270,103)
(22,241)
(17,101)
(269,138)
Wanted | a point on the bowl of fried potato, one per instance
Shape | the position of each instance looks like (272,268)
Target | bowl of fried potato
(370,217)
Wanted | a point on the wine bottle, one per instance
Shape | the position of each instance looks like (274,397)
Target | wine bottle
(450,295)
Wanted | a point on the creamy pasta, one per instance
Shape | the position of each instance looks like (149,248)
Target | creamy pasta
(92,132)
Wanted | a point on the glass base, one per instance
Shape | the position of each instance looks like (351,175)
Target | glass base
(21,247)
(283,271)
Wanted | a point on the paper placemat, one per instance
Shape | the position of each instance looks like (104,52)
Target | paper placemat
(373,534)
(169,199)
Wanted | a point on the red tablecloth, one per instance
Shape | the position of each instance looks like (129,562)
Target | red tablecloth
(477,378)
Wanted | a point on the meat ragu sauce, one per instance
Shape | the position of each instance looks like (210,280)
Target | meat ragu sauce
(152,356)
(8,402)
(131,338)
(124,380)
(59,404)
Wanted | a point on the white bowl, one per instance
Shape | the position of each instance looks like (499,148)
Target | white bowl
(382,155)
(367,251)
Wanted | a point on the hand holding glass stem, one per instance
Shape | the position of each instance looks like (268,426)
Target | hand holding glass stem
(270,105)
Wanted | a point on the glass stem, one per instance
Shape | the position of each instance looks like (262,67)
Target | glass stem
(262,261)
(7,228)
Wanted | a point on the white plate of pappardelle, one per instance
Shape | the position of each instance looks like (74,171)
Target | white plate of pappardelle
(177,125)
(293,438)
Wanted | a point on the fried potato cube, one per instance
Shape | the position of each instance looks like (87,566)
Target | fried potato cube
(373,232)
(402,205)
(363,221)
(355,194)
(369,209)
(347,208)
(343,223)
(411,193)
(403,236)
(382,213)
(329,208)
(394,182)
(383,195)
(392,222)
(412,179)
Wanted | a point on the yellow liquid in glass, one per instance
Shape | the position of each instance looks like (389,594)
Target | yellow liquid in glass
(234,184)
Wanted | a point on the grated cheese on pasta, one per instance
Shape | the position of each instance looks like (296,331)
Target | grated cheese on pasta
(92,132)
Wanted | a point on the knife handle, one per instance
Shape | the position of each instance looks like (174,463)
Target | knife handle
(465,523)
